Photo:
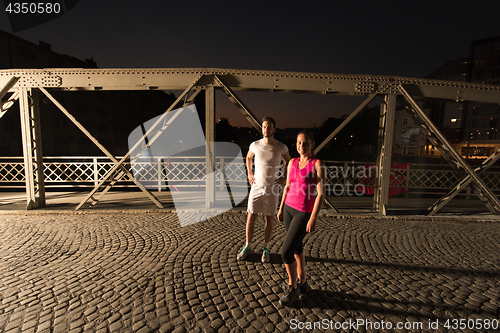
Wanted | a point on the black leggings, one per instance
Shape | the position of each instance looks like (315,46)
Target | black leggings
(295,225)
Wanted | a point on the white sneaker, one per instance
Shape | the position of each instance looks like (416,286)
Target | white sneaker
(265,255)
(245,251)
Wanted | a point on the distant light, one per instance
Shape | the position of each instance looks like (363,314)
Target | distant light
(453,120)
(180,140)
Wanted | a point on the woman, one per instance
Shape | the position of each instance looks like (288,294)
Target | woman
(299,209)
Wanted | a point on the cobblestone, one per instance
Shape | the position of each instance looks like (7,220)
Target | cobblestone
(142,272)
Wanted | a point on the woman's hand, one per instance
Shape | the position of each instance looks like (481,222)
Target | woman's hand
(280,215)
(311,225)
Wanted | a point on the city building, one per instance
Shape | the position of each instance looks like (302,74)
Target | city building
(481,133)
(110,116)
(408,140)
(473,129)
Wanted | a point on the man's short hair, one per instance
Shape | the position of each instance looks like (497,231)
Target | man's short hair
(269,120)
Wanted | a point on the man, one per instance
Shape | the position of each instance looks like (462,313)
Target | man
(266,184)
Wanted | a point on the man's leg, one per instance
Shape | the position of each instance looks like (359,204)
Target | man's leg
(250,227)
(268,232)
(269,229)
(251,218)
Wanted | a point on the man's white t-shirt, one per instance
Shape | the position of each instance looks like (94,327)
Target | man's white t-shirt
(267,161)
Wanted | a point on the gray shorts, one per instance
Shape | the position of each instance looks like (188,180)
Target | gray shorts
(264,199)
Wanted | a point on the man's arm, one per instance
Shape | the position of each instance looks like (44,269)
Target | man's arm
(251,177)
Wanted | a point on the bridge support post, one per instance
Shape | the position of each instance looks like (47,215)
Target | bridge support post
(387,113)
(210,140)
(32,148)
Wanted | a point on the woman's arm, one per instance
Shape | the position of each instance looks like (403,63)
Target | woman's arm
(285,191)
(320,169)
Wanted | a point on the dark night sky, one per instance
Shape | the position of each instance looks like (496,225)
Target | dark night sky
(395,38)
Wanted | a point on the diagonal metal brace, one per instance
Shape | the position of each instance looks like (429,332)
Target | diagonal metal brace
(5,106)
(119,164)
(344,123)
(11,83)
(446,154)
(239,104)
(483,191)
(98,144)
(464,183)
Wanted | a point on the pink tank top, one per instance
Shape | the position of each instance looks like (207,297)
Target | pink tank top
(303,182)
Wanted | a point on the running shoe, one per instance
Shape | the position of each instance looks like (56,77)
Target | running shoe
(291,294)
(265,255)
(245,252)
(304,287)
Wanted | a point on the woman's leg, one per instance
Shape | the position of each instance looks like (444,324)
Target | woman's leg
(291,269)
(301,267)
(295,227)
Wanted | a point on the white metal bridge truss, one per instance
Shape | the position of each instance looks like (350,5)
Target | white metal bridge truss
(25,84)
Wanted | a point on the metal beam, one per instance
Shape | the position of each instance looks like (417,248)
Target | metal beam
(32,150)
(5,89)
(273,81)
(387,113)
(245,111)
(463,184)
(209,140)
(344,123)
(5,106)
(119,164)
(318,83)
(457,162)
(98,144)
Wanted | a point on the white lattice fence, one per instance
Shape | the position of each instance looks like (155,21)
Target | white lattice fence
(189,171)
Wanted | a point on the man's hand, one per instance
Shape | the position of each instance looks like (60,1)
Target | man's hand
(251,178)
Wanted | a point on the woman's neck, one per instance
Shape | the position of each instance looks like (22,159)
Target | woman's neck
(305,158)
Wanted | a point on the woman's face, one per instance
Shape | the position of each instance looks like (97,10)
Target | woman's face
(304,144)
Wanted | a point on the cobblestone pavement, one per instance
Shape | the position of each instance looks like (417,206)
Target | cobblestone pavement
(142,272)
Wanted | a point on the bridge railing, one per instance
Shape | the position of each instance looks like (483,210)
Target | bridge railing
(344,178)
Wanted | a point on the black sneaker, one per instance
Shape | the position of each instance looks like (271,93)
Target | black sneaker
(304,287)
(290,295)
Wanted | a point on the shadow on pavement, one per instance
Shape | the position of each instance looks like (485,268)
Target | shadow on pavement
(398,266)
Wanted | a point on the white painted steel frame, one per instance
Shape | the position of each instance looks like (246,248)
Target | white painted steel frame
(32,148)
(203,78)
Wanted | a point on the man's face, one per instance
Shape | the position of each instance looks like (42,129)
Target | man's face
(267,129)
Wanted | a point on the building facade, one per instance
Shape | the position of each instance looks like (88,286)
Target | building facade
(473,129)
(110,116)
